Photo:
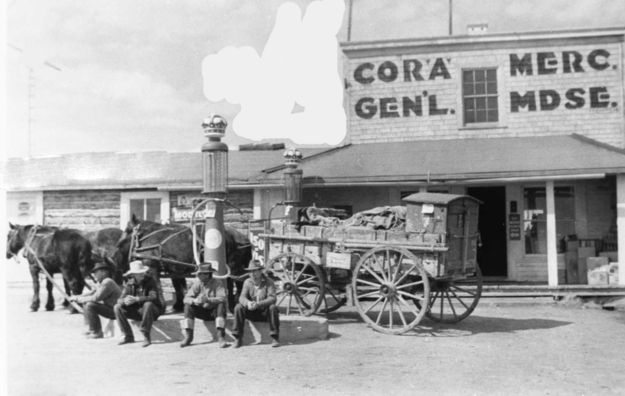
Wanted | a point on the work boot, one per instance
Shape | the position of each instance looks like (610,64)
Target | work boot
(127,340)
(95,335)
(188,338)
(146,340)
(237,342)
(275,342)
(221,339)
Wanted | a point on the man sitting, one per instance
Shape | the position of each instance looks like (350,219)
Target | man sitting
(140,300)
(206,300)
(99,301)
(257,303)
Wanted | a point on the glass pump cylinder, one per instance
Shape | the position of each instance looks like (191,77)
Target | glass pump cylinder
(214,167)
(293,186)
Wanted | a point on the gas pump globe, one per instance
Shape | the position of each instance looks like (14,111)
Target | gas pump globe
(292,177)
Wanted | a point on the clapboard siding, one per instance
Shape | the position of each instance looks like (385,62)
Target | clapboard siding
(85,210)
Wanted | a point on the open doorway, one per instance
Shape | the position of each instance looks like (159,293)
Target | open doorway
(492,256)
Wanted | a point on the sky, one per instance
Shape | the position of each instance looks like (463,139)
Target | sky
(130,75)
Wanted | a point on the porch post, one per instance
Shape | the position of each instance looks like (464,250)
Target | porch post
(552,249)
(620,226)
(258,202)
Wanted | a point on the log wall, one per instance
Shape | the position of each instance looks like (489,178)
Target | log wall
(86,210)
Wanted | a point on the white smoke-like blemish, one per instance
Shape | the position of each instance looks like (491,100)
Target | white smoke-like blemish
(293,90)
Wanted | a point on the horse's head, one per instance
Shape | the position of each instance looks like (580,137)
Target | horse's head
(16,239)
(133,223)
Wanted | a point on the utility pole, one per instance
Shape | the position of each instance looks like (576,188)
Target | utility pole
(451,18)
(31,94)
(349,19)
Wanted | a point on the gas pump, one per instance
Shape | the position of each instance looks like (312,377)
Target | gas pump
(292,185)
(215,185)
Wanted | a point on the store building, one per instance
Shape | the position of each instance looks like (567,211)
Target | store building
(532,124)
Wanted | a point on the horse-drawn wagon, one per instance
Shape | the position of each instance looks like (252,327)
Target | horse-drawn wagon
(420,261)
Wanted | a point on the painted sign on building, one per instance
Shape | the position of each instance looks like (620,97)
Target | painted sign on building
(466,91)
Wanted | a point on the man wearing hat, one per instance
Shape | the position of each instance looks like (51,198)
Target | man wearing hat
(257,303)
(206,300)
(100,300)
(140,300)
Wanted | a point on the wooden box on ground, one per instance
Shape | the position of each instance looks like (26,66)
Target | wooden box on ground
(597,270)
(168,328)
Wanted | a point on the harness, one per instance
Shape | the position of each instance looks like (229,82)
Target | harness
(138,252)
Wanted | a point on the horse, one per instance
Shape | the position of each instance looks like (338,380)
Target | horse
(169,250)
(58,250)
(106,248)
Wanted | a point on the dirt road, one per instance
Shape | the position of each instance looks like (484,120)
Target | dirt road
(499,350)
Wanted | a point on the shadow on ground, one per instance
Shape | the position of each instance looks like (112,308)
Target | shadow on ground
(472,325)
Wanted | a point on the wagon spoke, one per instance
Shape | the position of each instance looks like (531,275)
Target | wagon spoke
(282,299)
(374,304)
(397,268)
(405,274)
(433,300)
(308,278)
(299,306)
(313,288)
(451,305)
(442,300)
(411,308)
(369,288)
(368,283)
(459,299)
(375,259)
(420,282)
(388,261)
(369,270)
(373,293)
(288,307)
(464,290)
(390,314)
(377,321)
(300,273)
(412,296)
(401,316)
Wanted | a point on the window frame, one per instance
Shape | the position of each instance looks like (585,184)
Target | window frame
(124,213)
(485,95)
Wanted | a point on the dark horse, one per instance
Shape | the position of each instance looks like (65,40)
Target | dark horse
(58,250)
(169,249)
(106,247)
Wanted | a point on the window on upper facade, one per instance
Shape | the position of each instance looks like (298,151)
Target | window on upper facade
(479,96)
(535,219)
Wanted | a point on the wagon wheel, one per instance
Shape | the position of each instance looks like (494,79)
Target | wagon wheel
(454,300)
(333,300)
(300,285)
(385,281)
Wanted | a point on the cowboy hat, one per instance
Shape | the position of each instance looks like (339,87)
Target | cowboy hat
(101,265)
(254,265)
(205,268)
(137,267)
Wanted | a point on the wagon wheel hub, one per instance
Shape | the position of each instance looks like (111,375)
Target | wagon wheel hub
(289,287)
(388,290)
